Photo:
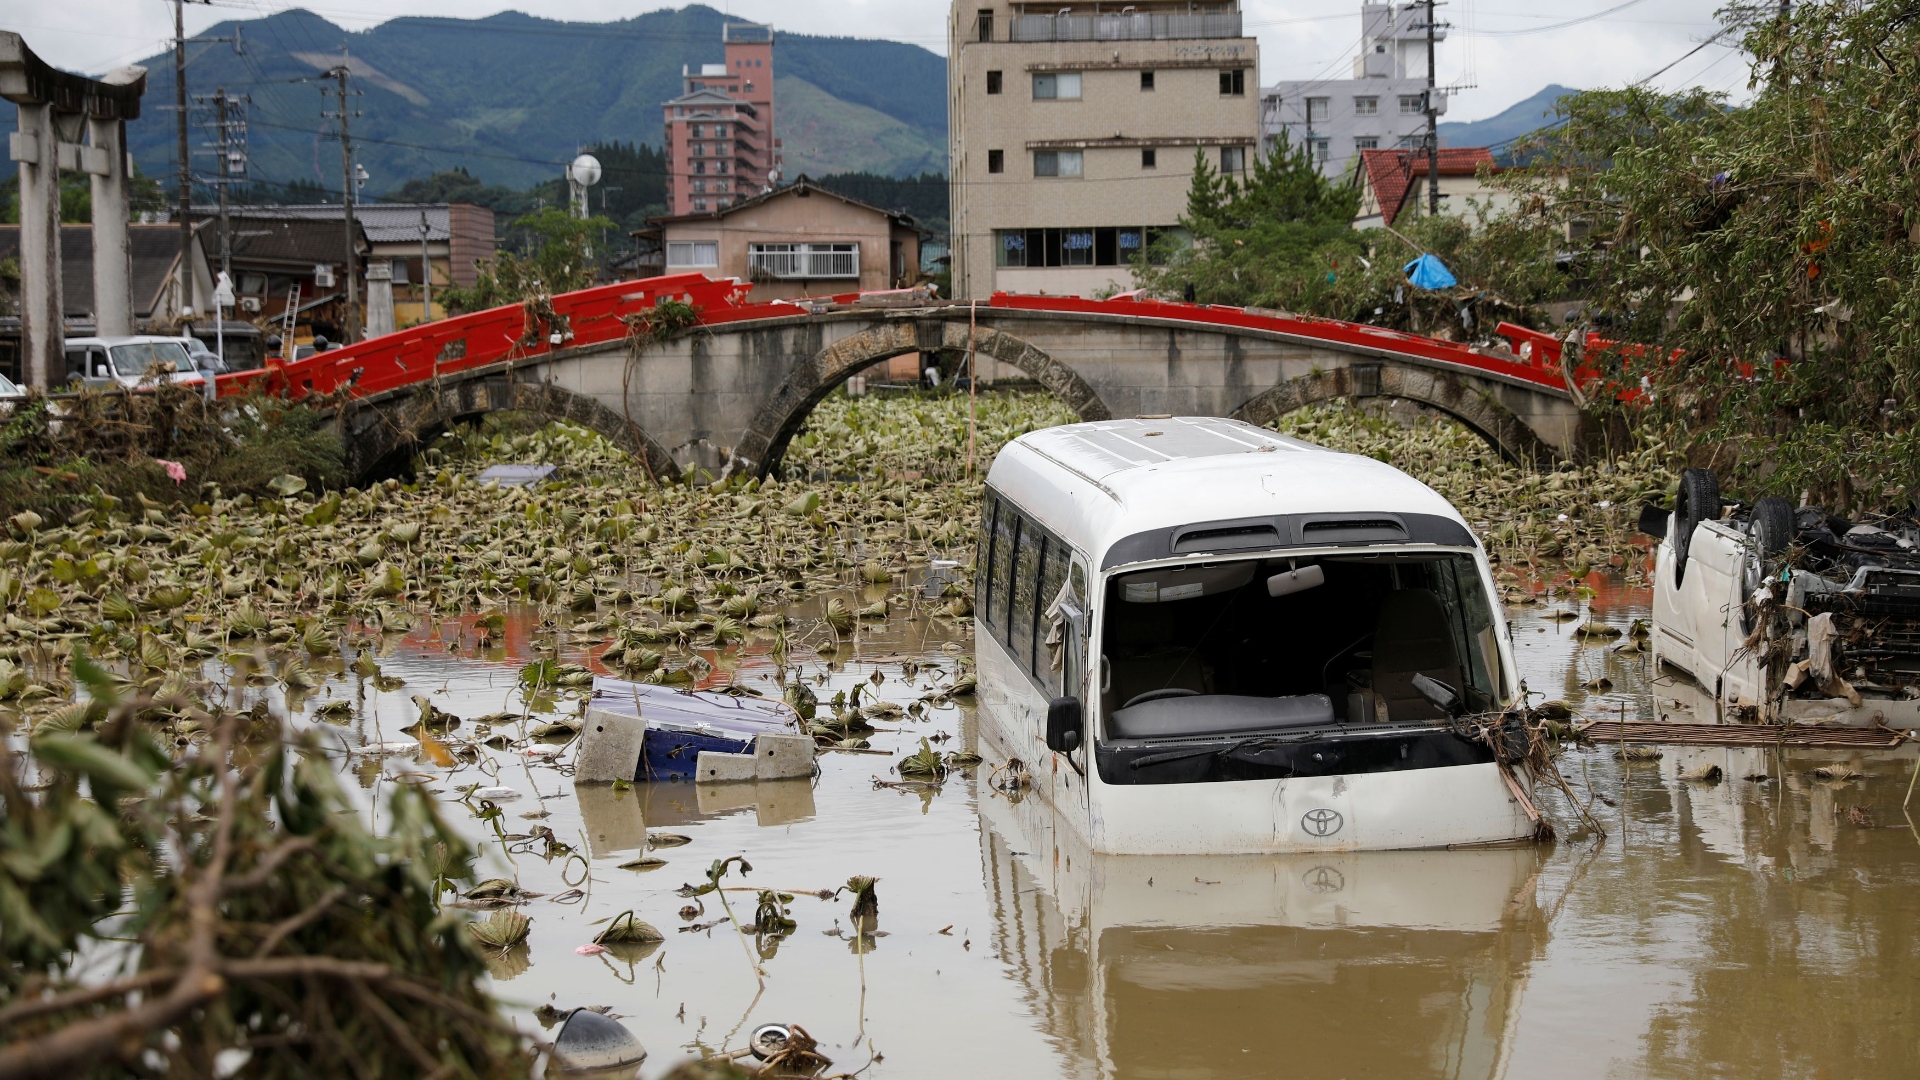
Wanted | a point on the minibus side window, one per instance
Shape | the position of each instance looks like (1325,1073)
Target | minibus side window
(1006,527)
(1025,608)
(1053,577)
(983,558)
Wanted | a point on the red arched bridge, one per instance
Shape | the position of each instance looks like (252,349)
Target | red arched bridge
(729,392)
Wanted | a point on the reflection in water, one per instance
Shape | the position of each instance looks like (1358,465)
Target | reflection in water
(617,819)
(1372,963)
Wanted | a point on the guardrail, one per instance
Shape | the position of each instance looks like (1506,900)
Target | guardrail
(1127,27)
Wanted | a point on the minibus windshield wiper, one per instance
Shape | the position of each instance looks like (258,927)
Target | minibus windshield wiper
(1259,741)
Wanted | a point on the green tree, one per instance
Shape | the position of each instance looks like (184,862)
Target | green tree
(1277,242)
(557,256)
(1761,265)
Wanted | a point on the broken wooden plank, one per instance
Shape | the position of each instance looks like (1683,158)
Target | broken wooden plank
(1613,731)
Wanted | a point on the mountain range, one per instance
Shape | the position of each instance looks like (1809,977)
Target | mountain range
(1510,123)
(512,97)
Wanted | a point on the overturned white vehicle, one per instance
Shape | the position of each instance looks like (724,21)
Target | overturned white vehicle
(1785,615)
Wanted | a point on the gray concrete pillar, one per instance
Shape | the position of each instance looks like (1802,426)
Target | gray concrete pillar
(379,297)
(42,334)
(112,253)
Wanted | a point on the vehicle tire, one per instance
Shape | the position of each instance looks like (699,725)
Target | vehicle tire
(1773,527)
(1699,501)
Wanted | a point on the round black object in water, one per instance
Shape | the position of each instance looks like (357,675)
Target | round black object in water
(591,1040)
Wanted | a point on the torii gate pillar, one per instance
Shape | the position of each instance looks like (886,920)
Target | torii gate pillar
(57,108)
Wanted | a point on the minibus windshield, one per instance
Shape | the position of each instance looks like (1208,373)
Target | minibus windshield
(1237,648)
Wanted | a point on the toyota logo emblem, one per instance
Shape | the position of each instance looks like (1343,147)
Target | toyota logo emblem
(1321,821)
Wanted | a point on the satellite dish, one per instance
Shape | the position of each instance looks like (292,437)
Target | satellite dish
(585,170)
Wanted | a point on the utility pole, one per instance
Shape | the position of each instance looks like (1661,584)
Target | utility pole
(223,146)
(352,329)
(426,266)
(183,278)
(1433,122)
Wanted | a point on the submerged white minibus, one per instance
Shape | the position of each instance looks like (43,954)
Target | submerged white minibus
(1201,637)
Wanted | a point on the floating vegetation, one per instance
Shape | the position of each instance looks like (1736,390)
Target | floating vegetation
(502,929)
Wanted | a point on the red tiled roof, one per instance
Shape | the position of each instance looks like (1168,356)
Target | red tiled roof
(1391,173)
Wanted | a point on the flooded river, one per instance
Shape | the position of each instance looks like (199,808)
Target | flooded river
(1759,926)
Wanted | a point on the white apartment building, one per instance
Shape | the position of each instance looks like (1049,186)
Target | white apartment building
(1382,107)
(1073,128)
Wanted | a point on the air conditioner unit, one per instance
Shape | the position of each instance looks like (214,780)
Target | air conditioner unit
(250,304)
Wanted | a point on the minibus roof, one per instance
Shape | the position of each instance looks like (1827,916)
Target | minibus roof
(1114,487)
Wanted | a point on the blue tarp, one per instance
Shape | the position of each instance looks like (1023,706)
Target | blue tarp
(1427,272)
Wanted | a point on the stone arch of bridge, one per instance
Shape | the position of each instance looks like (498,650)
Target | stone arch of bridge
(381,433)
(782,415)
(1459,397)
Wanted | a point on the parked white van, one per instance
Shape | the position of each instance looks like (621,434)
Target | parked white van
(1202,637)
(130,362)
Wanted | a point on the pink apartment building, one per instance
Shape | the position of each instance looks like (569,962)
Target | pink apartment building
(720,138)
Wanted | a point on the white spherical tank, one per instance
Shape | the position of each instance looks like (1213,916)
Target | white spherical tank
(584,170)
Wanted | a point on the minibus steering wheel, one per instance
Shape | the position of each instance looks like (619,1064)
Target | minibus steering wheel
(1155,695)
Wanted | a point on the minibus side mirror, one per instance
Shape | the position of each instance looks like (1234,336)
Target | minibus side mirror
(1653,521)
(1063,725)
(1444,697)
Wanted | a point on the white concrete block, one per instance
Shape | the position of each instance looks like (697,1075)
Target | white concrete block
(722,768)
(783,757)
(610,747)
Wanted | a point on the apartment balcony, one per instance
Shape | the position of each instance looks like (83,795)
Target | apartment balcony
(788,262)
(1124,27)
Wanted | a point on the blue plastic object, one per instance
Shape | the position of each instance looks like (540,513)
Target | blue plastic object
(682,723)
(1427,272)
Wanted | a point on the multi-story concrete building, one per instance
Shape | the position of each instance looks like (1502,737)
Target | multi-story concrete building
(720,140)
(1382,107)
(1073,133)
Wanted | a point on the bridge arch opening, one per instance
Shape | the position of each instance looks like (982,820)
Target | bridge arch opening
(786,411)
(382,435)
(1440,392)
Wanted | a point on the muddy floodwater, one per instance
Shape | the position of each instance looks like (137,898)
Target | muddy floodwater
(1758,926)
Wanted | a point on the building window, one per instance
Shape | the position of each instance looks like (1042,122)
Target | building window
(1064,85)
(699,166)
(1321,149)
(1076,247)
(695,131)
(1072,247)
(719,131)
(800,261)
(700,204)
(700,185)
(1056,162)
(1366,142)
(1412,142)
(1149,159)
(993,82)
(694,253)
(1146,80)
(983,24)
(1316,110)
(1234,83)
(1411,104)
(996,161)
(1233,159)
(1366,106)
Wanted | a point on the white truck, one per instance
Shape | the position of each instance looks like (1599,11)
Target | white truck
(1784,615)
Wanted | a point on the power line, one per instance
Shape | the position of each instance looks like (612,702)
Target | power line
(1561,25)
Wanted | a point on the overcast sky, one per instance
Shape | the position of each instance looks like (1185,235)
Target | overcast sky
(1505,50)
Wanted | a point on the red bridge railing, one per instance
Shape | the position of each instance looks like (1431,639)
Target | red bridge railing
(595,316)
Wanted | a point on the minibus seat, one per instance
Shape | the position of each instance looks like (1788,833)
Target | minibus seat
(1411,637)
(1165,668)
